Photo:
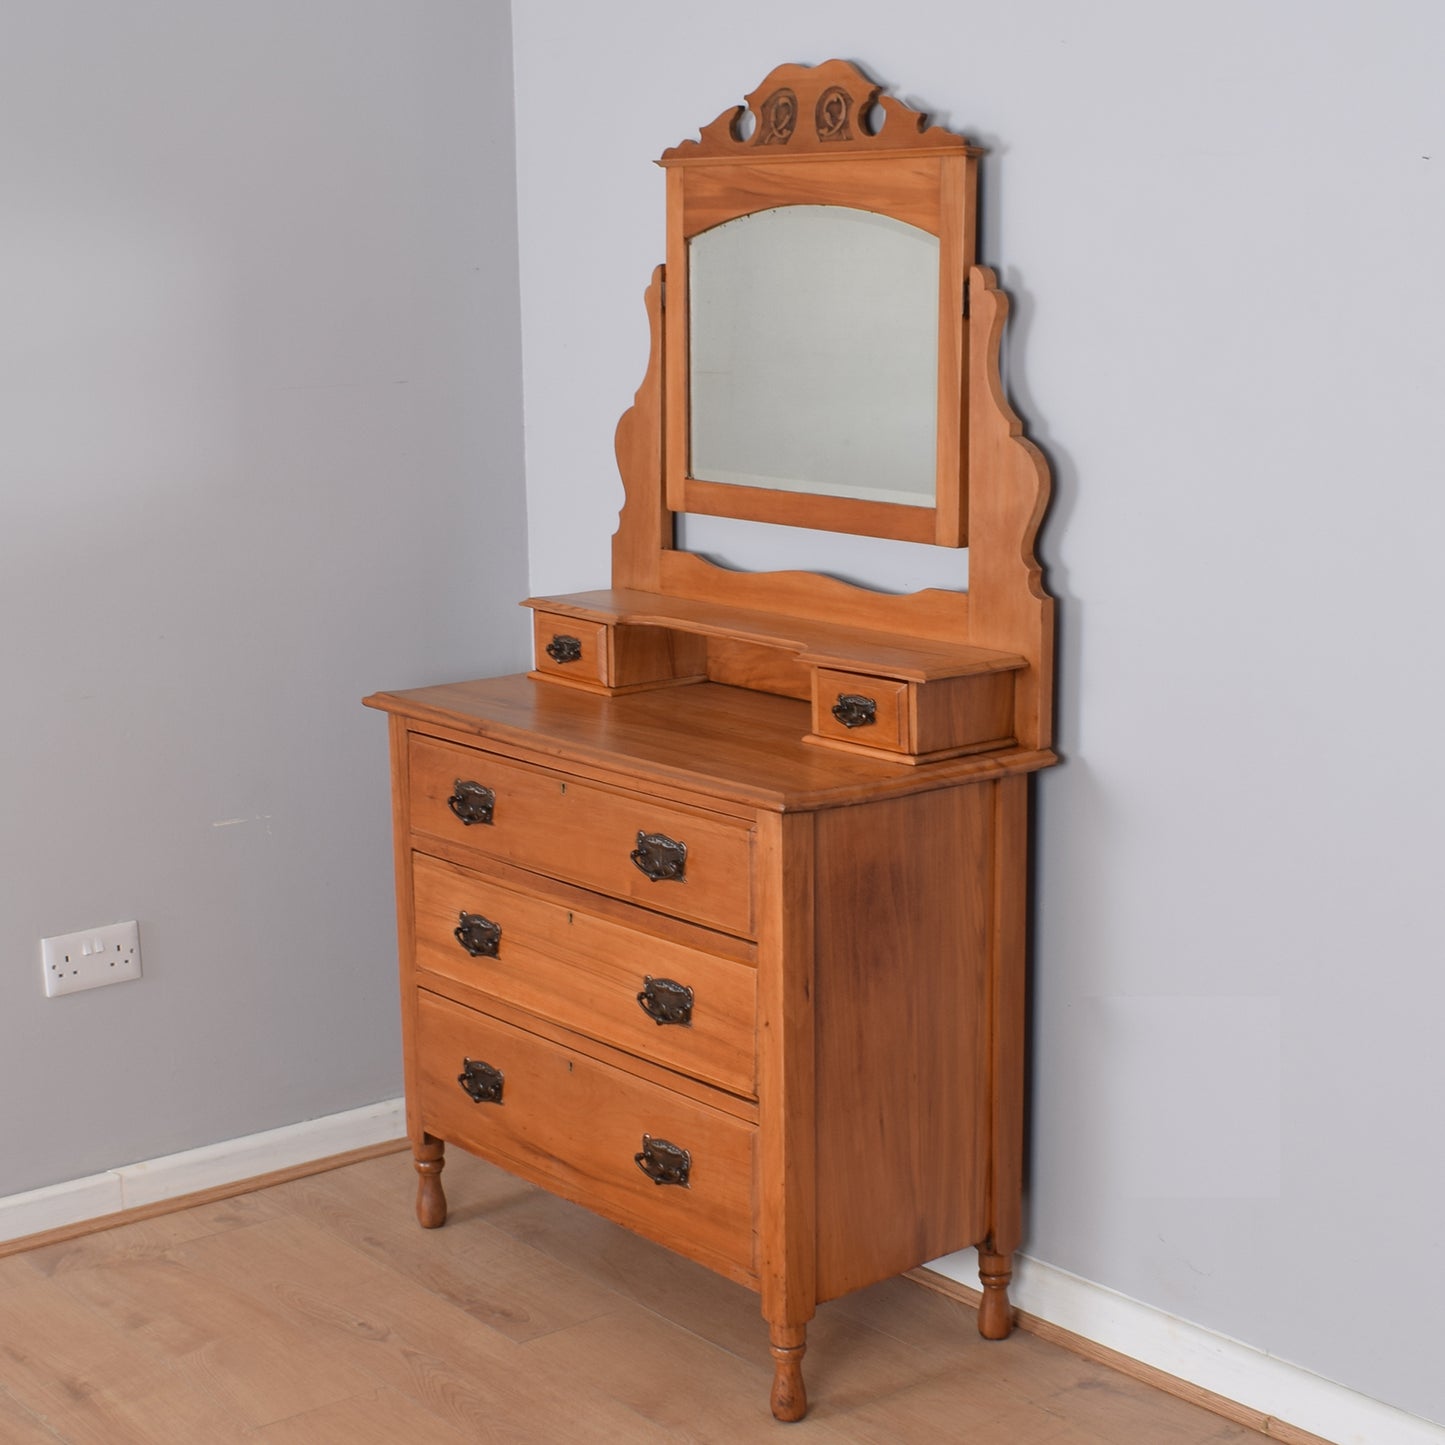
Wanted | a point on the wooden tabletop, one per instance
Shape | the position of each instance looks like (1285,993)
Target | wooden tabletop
(725,742)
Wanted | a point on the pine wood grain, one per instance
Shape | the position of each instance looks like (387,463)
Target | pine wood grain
(591,663)
(586,833)
(880,880)
(586,972)
(803,509)
(888,729)
(720,744)
(575,1124)
(905,130)
(908,187)
(935,613)
(1009,488)
(925,178)
(901,1018)
(787,1103)
(644,525)
(818,641)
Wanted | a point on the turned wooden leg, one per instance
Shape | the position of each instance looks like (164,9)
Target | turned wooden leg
(431,1200)
(995,1318)
(789,1398)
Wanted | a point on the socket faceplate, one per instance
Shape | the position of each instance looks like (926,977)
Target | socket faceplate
(90,959)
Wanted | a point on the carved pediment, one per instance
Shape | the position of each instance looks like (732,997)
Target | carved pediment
(814,110)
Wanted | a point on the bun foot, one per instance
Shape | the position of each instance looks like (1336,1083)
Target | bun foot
(431,1199)
(995,1316)
(789,1398)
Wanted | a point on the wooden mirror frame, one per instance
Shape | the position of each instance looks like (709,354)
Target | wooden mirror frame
(810,146)
(1004,491)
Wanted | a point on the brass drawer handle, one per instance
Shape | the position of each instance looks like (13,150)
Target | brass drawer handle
(472,803)
(660,857)
(481,1082)
(478,935)
(665,1001)
(663,1163)
(854,710)
(563,649)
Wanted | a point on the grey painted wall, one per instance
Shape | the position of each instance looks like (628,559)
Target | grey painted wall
(1222,229)
(260,454)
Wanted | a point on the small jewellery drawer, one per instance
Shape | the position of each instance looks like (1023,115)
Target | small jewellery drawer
(677,1006)
(570,649)
(666,1166)
(869,710)
(676,860)
(917,721)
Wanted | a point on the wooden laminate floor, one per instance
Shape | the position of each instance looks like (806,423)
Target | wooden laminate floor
(316,1312)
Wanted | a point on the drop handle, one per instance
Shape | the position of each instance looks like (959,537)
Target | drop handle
(478,935)
(564,649)
(661,858)
(664,1162)
(481,1082)
(854,710)
(665,1001)
(471,802)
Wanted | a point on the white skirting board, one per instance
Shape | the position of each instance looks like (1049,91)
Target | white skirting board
(152,1180)
(1238,1372)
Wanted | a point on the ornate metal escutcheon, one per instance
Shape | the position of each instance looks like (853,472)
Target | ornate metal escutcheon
(478,935)
(482,1083)
(665,1001)
(663,1163)
(565,649)
(660,857)
(472,803)
(854,710)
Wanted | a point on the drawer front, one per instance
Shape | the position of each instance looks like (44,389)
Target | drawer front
(584,833)
(877,708)
(587,973)
(575,1125)
(569,648)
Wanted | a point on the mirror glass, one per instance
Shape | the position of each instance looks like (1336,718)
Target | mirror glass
(813,365)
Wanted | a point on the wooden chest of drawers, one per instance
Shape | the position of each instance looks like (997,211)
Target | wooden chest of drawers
(756,1000)
(714,921)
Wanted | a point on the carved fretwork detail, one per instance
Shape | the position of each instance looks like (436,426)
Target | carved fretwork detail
(777,118)
(837,95)
(830,116)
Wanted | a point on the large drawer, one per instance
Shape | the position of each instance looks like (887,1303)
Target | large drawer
(575,1126)
(557,825)
(589,974)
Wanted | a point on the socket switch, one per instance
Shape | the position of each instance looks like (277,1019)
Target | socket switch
(90,959)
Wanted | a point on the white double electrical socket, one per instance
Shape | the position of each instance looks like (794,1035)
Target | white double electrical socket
(91,959)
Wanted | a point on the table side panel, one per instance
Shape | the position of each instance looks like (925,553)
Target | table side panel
(901,1000)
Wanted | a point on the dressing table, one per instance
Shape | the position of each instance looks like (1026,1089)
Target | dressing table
(714,921)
